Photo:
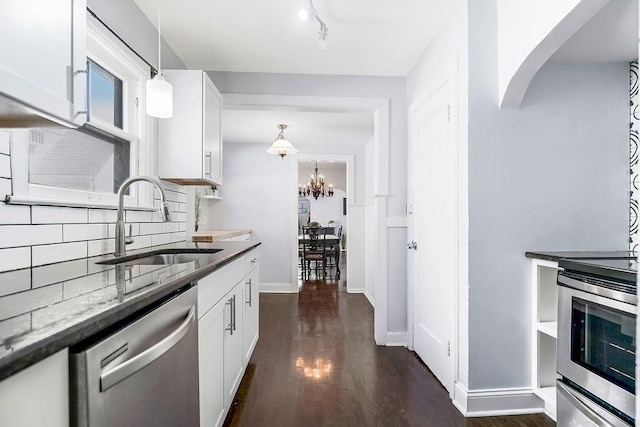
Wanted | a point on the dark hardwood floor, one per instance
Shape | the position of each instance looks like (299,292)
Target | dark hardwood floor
(316,364)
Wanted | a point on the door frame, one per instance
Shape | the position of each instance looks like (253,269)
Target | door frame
(449,74)
(381,136)
(349,159)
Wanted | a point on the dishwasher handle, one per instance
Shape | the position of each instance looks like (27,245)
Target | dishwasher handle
(133,365)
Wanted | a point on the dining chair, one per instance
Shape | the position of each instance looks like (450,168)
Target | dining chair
(314,249)
(333,253)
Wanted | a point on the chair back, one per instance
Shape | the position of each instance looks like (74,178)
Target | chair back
(314,241)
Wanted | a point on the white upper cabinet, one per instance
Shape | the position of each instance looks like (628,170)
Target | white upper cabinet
(190,143)
(43,61)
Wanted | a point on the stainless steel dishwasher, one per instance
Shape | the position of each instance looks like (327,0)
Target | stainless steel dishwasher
(143,374)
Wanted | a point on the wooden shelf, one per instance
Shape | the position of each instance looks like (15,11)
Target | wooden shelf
(549,328)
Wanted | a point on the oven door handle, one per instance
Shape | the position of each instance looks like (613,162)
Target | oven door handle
(583,406)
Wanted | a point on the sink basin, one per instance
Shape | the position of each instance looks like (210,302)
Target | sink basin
(164,258)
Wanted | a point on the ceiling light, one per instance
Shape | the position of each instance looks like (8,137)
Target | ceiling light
(159,92)
(316,187)
(281,146)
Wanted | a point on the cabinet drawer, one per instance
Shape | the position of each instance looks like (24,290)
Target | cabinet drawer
(251,260)
(216,285)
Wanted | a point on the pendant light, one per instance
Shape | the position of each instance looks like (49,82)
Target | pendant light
(159,92)
(281,146)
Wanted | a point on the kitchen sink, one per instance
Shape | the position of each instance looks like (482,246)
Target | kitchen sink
(163,258)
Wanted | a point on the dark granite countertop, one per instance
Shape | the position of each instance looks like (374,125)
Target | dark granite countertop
(46,309)
(556,256)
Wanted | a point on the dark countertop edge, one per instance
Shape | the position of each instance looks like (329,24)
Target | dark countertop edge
(23,358)
(558,255)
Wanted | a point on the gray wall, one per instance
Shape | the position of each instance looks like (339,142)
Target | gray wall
(552,175)
(130,23)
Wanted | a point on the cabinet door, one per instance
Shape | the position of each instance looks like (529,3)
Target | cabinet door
(251,313)
(233,363)
(211,356)
(45,75)
(38,395)
(212,132)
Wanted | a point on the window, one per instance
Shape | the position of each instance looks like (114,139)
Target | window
(88,165)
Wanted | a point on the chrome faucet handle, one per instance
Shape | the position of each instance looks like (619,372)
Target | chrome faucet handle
(129,240)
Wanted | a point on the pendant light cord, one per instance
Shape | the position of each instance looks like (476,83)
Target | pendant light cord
(160,41)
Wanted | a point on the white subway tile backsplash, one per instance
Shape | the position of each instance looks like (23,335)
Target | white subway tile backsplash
(183,226)
(58,215)
(15,258)
(170,227)
(139,216)
(83,285)
(4,141)
(178,237)
(102,215)
(54,273)
(178,216)
(5,166)
(5,187)
(140,242)
(14,214)
(160,239)
(15,281)
(48,254)
(28,235)
(76,232)
(23,302)
(151,228)
(101,247)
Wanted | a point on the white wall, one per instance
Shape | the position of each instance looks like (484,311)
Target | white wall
(327,209)
(552,175)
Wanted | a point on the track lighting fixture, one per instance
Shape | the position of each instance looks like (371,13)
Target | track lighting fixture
(310,12)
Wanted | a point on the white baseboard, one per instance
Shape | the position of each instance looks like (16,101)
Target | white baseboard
(370,298)
(277,288)
(396,339)
(507,401)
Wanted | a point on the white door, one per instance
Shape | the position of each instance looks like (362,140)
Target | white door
(433,228)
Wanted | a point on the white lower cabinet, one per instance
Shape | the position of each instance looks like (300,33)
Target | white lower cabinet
(211,363)
(226,325)
(251,313)
(38,395)
(233,362)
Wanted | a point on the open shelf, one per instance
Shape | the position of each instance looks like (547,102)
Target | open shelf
(549,328)
(210,197)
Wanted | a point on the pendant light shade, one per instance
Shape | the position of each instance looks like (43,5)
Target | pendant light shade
(281,146)
(159,95)
(159,92)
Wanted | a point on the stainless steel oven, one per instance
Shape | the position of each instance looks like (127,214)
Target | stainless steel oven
(597,340)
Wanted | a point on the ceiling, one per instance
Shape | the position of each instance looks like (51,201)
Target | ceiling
(366,37)
(612,35)
(329,127)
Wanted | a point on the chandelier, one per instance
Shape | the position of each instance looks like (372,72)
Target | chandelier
(315,187)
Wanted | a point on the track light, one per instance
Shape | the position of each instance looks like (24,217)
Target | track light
(322,39)
(310,12)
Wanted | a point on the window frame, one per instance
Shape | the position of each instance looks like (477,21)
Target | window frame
(106,50)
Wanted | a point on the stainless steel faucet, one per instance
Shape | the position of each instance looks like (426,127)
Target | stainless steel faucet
(164,209)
